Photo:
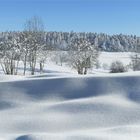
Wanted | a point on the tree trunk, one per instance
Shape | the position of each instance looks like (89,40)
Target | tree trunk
(85,71)
(80,70)
(25,62)
(41,67)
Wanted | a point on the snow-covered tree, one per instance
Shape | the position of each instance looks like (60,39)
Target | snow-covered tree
(82,55)
(35,39)
(10,53)
(42,56)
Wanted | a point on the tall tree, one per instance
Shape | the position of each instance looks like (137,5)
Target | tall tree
(34,29)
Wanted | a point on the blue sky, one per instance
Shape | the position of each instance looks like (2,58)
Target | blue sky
(107,16)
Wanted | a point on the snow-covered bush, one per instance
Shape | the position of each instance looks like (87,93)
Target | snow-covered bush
(117,67)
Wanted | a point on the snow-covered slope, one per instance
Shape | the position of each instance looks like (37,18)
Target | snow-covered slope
(64,107)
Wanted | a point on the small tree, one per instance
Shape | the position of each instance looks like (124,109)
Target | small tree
(83,55)
(117,67)
(42,57)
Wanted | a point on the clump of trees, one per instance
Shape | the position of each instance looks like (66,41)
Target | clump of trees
(109,43)
(23,46)
(31,46)
(10,52)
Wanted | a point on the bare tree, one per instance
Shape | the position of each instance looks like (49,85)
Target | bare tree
(42,54)
(25,49)
(35,38)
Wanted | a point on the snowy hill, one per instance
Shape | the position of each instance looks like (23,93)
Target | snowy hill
(70,107)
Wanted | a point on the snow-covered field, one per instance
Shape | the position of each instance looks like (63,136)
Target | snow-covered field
(60,105)
(108,58)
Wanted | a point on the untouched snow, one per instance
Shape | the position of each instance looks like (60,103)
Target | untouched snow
(5,78)
(105,60)
(108,58)
(62,106)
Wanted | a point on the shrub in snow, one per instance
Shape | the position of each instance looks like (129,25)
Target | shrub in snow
(117,67)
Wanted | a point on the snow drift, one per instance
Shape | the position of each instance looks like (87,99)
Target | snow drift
(70,108)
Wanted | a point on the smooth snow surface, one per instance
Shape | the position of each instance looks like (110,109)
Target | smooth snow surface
(108,58)
(69,107)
